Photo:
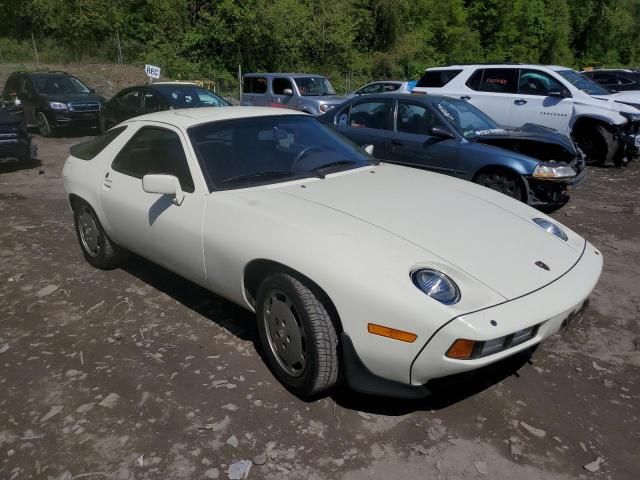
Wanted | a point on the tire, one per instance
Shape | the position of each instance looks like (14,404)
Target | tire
(503,181)
(290,316)
(98,249)
(44,127)
(598,145)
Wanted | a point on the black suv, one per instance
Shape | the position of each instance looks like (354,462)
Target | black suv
(52,101)
(619,80)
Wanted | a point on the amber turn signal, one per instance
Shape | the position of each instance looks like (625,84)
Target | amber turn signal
(461,349)
(392,333)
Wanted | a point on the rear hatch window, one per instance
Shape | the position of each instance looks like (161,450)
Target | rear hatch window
(437,78)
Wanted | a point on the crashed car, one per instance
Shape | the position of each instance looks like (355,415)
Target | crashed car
(533,164)
(605,125)
(381,274)
(15,140)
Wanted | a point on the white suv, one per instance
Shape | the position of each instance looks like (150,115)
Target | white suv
(604,124)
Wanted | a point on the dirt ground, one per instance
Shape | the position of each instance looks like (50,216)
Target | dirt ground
(136,373)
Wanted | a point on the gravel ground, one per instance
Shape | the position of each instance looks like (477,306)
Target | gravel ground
(136,373)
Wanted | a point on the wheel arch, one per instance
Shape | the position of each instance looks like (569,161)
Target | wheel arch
(587,121)
(258,269)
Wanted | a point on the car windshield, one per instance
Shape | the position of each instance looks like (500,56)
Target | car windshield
(467,119)
(246,152)
(187,96)
(582,83)
(314,86)
(59,84)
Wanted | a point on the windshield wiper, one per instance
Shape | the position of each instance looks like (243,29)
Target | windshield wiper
(328,168)
(260,174)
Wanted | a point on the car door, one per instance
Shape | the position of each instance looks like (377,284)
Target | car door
(28,98)
(279,98)
(534,104)
(413,145)
(368,122)
(152,102)
(494,92)
(124,106)
(151,225)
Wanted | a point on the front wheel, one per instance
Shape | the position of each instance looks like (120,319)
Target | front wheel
(98,249)
(502,181)
(297,335)
(45,128)
(598,144)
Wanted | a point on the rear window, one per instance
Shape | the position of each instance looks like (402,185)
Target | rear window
(254,85)
(498,80)
(89,150)
(437,78)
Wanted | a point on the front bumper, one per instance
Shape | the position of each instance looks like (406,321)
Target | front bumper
(16,148)
(549,307)
(62,119)
(554,192)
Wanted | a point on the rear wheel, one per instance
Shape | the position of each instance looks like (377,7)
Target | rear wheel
(502,181)
(98,249)
(297,335)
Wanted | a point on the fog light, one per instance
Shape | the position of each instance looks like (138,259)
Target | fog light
(461,349)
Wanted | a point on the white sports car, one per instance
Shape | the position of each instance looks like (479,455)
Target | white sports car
(380,274)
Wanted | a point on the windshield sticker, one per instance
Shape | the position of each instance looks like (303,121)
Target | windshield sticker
(490,131)
(445,112)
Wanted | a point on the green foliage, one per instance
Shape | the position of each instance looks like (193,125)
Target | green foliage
(347,39)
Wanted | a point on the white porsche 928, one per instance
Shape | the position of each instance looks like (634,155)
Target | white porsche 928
(380,274)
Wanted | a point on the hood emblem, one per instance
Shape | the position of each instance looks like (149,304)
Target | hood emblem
(543,265)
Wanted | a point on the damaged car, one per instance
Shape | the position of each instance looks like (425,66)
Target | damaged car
(382,275)
(533,164)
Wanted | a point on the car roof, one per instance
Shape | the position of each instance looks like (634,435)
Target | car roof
(427,99)
(188,117)
(281,74)
(498,65)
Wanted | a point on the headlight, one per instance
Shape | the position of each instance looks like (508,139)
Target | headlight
(58,106)
(551,228)
(326,108)
(550,171)
(437,285)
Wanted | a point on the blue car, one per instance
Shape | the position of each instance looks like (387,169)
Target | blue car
(533,164)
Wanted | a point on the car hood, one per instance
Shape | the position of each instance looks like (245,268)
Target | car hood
(485,234)
(530,132)
(620,101)
(75,97)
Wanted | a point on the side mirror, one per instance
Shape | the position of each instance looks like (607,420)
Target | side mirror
(164,185)
(557,94)
(440,132)
(368,149)
(92,90)
(287,91)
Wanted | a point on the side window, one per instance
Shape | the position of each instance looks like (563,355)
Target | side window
(254,85)
(130,100)
(155,150)
(390,87)
(622,80)
(474,80)
(414,118)
(605,79)
(152,102)
(438,78)
(12,85)
(279,85)
(499,80)
(373,88)
(25,85)
(373,114)
(535,82)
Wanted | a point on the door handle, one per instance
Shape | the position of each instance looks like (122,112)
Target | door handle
(520,101)
(465,97)
(397,142)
